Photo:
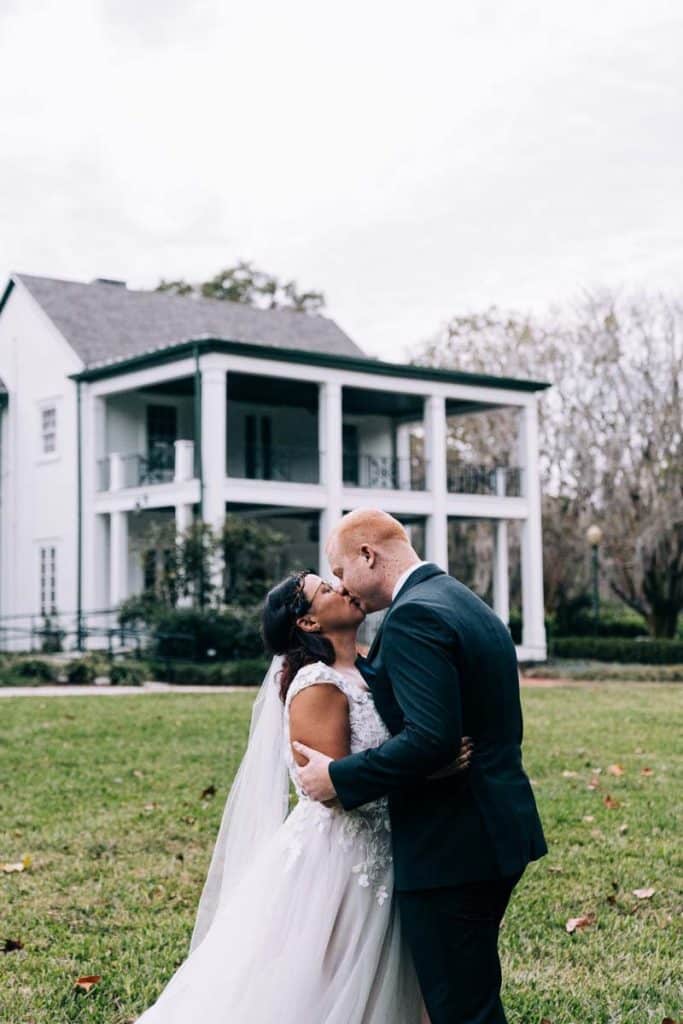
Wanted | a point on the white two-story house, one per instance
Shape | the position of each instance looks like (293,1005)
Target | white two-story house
(119,407)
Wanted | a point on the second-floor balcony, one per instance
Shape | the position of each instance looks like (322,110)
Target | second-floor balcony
(276,430)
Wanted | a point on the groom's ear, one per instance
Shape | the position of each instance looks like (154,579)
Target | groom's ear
(368,555)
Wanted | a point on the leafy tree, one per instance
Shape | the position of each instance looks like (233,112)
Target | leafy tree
(248,549)
(251,286)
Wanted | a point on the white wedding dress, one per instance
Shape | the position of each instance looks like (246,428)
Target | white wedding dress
(310,934)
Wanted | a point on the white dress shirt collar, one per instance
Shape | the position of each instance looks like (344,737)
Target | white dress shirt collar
(403,577)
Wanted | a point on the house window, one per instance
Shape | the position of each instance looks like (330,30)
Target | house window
(350,457)
(258,452)
(48,429)
(48,579)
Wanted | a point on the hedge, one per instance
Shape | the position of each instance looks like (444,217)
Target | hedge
(35,668)
(128,673)
(248,672)
(81,671)
(643,652)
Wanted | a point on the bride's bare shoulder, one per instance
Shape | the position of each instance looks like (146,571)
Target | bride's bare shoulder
(319,717)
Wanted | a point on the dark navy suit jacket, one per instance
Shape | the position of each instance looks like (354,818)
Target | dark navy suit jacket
(444,666)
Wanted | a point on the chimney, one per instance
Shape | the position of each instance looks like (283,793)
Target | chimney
(109,280)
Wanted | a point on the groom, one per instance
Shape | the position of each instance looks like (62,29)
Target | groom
(442,666)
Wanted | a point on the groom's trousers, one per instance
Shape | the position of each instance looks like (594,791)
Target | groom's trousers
(453,936)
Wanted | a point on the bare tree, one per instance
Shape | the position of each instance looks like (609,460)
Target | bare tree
(611,436)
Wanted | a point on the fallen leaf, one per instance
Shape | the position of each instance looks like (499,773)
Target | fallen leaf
(594,783)
(647,771)
(556,869)
(644,894)
(615,769)
(566,774)
(20,865)
(137,773)
(151,807)
(87,981)
(610,803)
(546,1020)
(577,923)
(209,791)
(9,945)
(588,817)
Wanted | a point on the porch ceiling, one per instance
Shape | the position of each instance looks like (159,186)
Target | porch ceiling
(368,402)
(249,387)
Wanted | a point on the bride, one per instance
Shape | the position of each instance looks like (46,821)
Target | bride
(296,922)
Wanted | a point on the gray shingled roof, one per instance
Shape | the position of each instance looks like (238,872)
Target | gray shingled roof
(107,322)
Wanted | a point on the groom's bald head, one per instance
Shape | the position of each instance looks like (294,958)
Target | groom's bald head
(368,550)
(365,525)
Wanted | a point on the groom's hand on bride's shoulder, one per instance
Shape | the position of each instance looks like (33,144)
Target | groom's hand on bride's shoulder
(461,762)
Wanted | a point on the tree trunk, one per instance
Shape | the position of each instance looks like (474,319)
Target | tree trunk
(663,620)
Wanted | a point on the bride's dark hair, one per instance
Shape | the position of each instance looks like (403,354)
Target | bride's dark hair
(284,604)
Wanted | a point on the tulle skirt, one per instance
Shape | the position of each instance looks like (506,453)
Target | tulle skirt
(308,936)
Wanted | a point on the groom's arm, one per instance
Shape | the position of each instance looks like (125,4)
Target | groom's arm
(417,656)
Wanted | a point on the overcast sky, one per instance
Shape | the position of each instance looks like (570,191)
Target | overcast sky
(410,160)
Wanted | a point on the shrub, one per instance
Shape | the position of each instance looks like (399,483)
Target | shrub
(128,673)
(248,672)
(35,668)
(191,633)
(643,652)
(81,671)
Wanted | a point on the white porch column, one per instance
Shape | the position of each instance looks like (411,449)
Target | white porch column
(403,455)
(183,521)
(213,450)
(437,483)
(184,461)
(331,473)
(118,558)
(533,634)
(501,572)
(501,567)
(116,481)
(183,517)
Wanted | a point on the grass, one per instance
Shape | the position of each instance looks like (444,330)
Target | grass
(105,796)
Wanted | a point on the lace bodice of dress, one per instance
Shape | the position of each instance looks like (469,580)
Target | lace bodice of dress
(366,827)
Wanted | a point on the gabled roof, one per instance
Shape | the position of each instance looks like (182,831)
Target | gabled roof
(106,322)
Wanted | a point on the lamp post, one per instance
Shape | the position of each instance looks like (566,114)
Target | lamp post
(594,537)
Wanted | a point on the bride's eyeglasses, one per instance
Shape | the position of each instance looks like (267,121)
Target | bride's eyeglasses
(299,604)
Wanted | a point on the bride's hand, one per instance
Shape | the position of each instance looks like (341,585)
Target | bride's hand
(461,763)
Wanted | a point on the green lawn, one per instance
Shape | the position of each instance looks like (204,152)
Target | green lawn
(105,795)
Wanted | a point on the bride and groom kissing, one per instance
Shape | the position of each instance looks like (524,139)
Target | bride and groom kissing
(378,898)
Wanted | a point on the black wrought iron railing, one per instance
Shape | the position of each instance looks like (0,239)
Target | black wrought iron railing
(504,481)
(137,470)
(384,471)
(289,463)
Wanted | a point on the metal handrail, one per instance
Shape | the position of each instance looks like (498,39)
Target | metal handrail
(503,481)
(385,471)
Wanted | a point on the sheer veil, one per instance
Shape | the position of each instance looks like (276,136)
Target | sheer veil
(256,806)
